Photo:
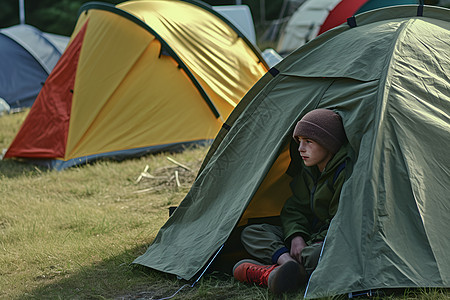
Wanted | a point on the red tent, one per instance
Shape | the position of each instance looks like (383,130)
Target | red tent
(340,13)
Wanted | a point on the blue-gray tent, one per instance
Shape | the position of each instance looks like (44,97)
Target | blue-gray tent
(27,56)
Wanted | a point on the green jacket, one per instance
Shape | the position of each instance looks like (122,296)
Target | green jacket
(308,212)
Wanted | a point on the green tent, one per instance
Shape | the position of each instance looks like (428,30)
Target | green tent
(386,72)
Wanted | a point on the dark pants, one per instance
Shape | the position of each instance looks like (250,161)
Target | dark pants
(266,243)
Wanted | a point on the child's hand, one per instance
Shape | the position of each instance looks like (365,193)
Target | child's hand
(297,245)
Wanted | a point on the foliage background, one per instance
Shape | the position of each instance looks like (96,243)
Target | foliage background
(54,16)
(60,16)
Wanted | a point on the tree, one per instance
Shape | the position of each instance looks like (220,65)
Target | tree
(55,16)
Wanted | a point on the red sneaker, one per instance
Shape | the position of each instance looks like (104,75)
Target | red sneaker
(280,279)
(251,271)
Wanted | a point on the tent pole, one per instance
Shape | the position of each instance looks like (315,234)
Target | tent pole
(206,268)
(22,11)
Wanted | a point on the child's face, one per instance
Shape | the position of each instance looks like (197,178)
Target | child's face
(313,153)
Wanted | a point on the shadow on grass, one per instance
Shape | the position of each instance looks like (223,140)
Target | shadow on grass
(113,278)
(12,168)
(116,278)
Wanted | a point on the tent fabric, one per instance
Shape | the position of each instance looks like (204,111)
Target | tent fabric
(56,107)
(27,57)
(392,91)
(141,77)
(304,24)
(225,63)
(241,17)
(314,17)
(339,14)
(375,4)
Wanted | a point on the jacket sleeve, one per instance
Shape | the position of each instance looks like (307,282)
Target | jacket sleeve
(296,214)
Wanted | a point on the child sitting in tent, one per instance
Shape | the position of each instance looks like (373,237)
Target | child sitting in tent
(290,252)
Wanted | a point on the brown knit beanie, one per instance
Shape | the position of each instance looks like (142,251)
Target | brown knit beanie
(323,126)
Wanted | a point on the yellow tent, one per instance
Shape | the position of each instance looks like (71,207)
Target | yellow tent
(139,77)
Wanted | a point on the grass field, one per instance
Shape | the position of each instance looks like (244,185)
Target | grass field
(73,234)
